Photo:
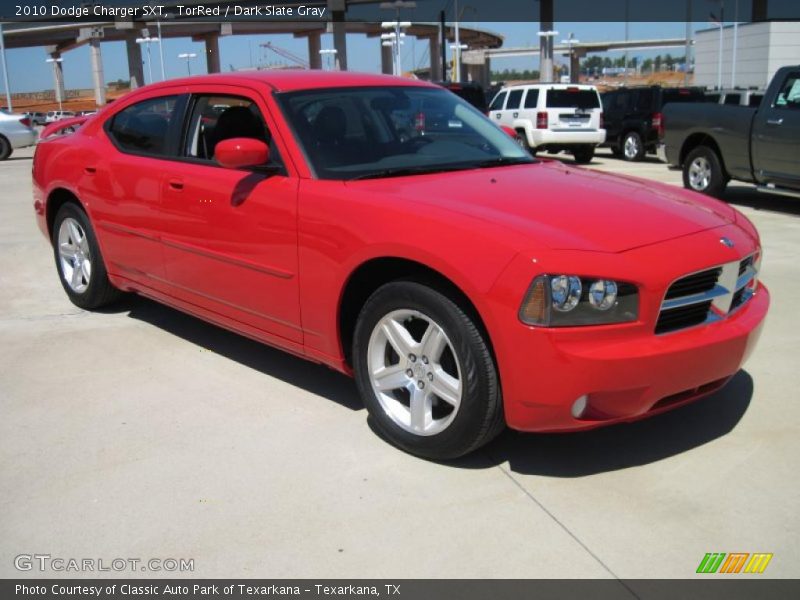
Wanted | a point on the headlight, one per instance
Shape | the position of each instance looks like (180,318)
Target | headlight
(569,300)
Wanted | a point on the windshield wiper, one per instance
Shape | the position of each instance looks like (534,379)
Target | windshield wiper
(401,171)
(503,161)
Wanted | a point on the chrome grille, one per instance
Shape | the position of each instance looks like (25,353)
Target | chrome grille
(707,296)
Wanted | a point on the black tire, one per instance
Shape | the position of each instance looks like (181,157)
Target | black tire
(522,140)
(99,291)
(616,151)
(632,147)
(700,158)
(5,148)
(583,154)
(479,416)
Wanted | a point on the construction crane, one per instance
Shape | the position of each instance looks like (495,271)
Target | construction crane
(283,53)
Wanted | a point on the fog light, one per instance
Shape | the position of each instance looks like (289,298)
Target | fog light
(602,294)
(565,291)
(579,406)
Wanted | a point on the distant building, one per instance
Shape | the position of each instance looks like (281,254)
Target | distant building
(761,49)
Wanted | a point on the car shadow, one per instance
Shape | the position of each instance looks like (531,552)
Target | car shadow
(747,195)
(622,446)
(295,371)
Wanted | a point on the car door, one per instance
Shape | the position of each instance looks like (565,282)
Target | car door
(231,244)
(121,183)
(776,136)
(512,109)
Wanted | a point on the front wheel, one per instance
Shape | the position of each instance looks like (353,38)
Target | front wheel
(78,260)
(703,172)
(425,372)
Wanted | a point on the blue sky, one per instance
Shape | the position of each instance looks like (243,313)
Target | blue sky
(29,72)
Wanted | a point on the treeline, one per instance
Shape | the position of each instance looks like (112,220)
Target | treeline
(514,75)
(666,62)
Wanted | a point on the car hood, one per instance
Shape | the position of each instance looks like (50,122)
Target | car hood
(564,207)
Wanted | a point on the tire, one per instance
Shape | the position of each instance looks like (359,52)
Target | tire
(399,325)
(703,172)
(522,141)
(583,154)
(632,147)
(5,148)
(616,151)
(79,263)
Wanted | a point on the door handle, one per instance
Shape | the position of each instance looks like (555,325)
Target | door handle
(176,184)
(775,121)
(90,170)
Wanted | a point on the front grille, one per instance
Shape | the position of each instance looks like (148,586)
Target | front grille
(698,283)
(680,318)
(707,295)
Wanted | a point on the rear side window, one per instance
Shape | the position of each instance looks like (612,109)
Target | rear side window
(532,98)
(644,100)
(572,98)
(514,99)
(142,127)
(497,103)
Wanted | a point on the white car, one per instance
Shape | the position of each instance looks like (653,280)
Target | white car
(552,117)
(15,132)
(57,115)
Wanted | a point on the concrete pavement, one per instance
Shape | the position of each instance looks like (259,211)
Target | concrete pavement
(141,432)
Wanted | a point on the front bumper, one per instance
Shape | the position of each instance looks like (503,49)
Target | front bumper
(626,371)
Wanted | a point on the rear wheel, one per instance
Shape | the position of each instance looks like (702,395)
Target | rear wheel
(522,140)
(425,372)
(703,172)
(583,154)
(632,147)
(5,148)
(78,260)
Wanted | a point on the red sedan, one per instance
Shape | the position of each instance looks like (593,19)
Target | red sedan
(387,229)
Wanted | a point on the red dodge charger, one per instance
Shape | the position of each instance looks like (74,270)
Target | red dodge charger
(387,229)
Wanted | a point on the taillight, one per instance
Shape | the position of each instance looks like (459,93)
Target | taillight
(541,120)
(419,121)
(658,124)
(25,121)
(602,121)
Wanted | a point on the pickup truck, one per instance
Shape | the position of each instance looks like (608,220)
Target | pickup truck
(715,143)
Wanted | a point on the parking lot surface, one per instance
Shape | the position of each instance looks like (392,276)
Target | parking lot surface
(140,432)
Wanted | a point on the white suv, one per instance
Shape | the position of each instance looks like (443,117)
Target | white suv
(552,117)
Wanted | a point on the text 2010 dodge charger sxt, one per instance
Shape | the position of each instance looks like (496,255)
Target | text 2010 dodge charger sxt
(385,228)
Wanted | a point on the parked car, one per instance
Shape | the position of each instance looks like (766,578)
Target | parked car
(15,132)
(464,284)
(552,117)
(633,117)
(714,144)
(37,118)
(470,91)
(56,115)
(736,97)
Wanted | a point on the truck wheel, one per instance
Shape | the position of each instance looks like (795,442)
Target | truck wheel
(703,172)
(583,154)
(5,148)
(425,372)
(632,147)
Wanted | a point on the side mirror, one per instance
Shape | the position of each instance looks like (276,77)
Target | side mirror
(511,133)
(237,153)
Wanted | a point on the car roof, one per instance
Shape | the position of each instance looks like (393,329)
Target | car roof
(557,86)
(291,80)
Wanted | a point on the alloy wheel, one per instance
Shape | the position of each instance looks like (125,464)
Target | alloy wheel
(700,173)
(74,255)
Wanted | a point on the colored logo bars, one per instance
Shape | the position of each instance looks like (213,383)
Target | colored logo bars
(735,562)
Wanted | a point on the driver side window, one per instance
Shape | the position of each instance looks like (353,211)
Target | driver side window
(215,118)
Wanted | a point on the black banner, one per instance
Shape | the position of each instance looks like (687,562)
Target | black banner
(713,588)
(87,11)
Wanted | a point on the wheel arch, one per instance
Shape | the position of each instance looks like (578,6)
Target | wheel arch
(701,139)
(371,274)
(57,198)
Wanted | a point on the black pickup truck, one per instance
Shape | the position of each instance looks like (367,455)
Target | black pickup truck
(714,143)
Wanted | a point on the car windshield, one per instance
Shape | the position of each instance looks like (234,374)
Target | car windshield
(366,132)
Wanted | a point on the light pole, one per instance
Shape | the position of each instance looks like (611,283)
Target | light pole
(147,40)
(188,56)
(56,63)
(5,69)
(397,24)
(546,62)
(569,42)
(330,55)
